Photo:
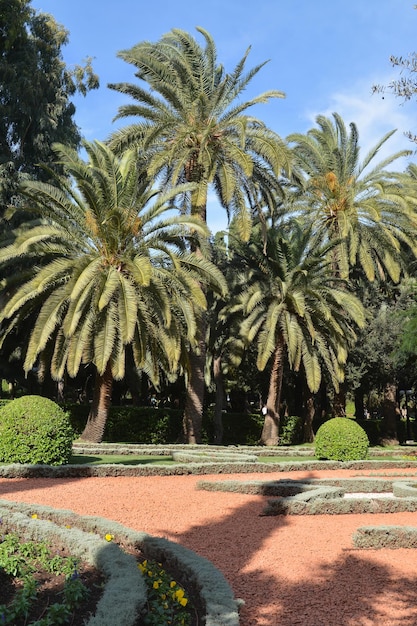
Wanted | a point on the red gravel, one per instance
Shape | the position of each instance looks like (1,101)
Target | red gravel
(289,570)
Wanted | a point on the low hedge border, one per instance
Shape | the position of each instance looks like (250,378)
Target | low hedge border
(207,582)
(212,456)
(402,489)
(81,471)
(123,577)
(340,506)
(286,488)
(80,447)
(378,537)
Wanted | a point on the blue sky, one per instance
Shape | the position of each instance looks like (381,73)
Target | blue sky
(325,55)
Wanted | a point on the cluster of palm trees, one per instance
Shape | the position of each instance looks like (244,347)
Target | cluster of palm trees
(114,263)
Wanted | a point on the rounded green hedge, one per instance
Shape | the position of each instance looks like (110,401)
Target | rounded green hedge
(35,430)
(341,439)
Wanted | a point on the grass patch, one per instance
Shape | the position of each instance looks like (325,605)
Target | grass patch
(123,459)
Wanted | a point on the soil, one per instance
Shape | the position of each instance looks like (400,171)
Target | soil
(289,570)
(49,591)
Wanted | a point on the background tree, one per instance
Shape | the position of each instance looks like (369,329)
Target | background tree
(109,269)
(368,210)
(193,127)
(35,93)
(295,309)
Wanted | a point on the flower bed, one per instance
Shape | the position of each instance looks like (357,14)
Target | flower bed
(84,536)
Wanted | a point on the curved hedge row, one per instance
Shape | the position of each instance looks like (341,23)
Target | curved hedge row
(215,595)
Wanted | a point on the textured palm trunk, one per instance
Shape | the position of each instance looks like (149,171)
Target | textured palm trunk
(339,402)
(194,402)
(390,414)
(193,414)
(218,416)
(97,418)
(270,430)
(309,411)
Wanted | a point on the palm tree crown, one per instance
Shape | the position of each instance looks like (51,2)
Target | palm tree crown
(192,126)
(365,208)
(109,268)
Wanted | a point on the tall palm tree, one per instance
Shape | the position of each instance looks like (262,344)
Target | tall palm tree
(193,127)
(105,265)
(297,310)
(363,206)
(368,208)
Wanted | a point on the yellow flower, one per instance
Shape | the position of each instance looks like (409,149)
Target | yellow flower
(34,516)
(183,601)
(156,584)
(172,584)
(108,537)
(179,594)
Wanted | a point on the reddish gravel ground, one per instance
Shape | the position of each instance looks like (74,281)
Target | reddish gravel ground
(289,570)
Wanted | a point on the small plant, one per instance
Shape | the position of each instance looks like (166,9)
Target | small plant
(341,439)
(167,602)
(35,430)
(22,560)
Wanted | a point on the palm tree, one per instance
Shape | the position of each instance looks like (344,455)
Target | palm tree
(193,127)
(367,208)
(105,266)
(364,206)
(296,309)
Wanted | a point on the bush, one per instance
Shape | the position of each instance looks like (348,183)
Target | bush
(341,439)
(35,430)
(290,430)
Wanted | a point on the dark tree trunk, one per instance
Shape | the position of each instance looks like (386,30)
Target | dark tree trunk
(218,410)
(309,410)
(194,402)
(359,405)
(339,402)
(270,430)
(193,414)
(390,414)
(96,422)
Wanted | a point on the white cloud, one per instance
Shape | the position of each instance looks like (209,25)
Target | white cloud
(375,115)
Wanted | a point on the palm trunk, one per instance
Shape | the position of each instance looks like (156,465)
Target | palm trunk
(339,402)
(218,421)
(390,414)
(270,430)
(193,414)
(309,410)
(96,422)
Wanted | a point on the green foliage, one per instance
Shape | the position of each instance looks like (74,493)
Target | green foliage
(341,439)
(22,560)
(36,88)
(290,430)
(167,602)
(35,430)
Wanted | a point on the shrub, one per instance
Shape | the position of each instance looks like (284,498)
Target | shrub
(290,430)
(341,439)
(35,430)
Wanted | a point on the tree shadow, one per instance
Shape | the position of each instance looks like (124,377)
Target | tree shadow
(351,591)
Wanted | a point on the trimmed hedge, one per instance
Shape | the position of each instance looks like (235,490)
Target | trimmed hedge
(35,430)
(341,439)
(377,537)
